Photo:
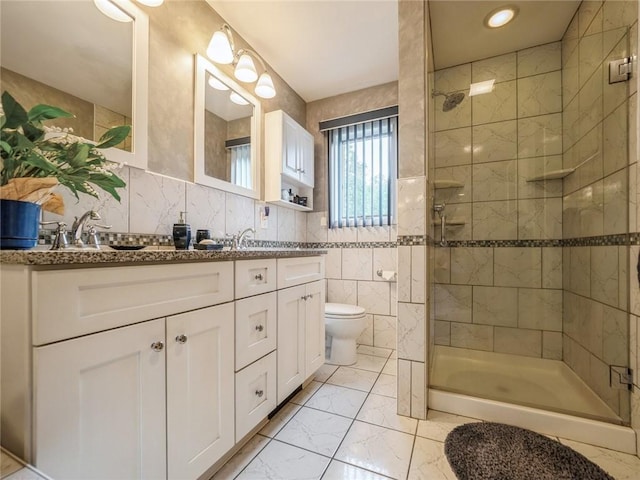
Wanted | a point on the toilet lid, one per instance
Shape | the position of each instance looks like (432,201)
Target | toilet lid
(343,310)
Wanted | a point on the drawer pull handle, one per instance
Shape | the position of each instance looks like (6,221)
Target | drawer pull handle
(259,276)
(182,339)
(157,346)
(259,328)
(259,393)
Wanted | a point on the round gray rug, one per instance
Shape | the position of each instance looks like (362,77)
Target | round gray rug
(494,451)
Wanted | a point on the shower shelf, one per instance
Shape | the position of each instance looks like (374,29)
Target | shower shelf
(453,221)
(559,174)
(438,184)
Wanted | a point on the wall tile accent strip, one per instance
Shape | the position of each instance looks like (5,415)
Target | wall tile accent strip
(413,240)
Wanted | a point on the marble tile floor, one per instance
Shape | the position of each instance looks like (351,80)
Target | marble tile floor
(343,425)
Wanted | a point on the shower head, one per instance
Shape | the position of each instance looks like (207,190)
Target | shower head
(451,100)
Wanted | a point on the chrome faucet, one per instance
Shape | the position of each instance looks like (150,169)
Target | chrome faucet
(78,226)
(238,239)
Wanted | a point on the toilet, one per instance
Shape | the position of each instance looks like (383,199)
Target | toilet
(343,324)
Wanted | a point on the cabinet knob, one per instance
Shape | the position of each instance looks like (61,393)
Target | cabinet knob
(260,393)
(304,297)
(182,339)
(259,328)
(157,346)
(258,276)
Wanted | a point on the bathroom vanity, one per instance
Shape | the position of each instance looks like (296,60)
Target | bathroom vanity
(152,364)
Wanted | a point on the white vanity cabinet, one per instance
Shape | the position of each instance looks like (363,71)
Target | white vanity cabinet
(256,329)
(100,405)
(289,162)
(116,393)
(301,339)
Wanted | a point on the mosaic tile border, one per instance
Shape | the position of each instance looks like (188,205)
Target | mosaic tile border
(111,238)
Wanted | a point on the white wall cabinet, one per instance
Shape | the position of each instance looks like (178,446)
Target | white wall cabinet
(289,160)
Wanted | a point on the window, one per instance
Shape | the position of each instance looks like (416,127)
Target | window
(362,169)
(240,162)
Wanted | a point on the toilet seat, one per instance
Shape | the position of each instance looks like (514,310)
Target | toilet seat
(342,311)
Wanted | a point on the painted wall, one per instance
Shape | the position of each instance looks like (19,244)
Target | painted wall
(152,201)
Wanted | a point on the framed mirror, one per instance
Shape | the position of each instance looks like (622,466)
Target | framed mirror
(227,133)
(71,55)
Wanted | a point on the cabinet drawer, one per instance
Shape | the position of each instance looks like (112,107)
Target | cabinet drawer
(295,271)
(254,277)
(255,394)
(256,323)
(70,303)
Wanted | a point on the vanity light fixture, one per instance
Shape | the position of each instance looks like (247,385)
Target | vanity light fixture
(112,10)
(501,16)
(222,50)
(237,99)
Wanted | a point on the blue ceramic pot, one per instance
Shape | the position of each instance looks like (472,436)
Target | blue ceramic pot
(19,222)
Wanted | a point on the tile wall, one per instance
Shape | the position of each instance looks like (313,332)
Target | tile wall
(598,121)
(414,201)
(355,254)
(499,282)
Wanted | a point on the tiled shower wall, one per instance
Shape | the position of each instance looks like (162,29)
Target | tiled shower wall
(355,254)
(596,120)
(499,282)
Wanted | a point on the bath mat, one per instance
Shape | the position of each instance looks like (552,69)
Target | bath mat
(492,451)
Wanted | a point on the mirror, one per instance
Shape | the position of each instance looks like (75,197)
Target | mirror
(71,55)
(226,133)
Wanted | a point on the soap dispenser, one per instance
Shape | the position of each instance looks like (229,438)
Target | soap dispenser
(182,233)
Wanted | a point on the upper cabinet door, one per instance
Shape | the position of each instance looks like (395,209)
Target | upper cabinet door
(100,409)
(200,389)
(305,153)
(290,156)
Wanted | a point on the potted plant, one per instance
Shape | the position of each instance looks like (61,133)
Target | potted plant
(36,158)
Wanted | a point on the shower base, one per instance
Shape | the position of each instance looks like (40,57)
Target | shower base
(544,395)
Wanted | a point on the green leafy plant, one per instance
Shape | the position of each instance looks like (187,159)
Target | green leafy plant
(31,150)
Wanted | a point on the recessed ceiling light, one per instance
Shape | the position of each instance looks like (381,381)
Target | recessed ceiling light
(501,16)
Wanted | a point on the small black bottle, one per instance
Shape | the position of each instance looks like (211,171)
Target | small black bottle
(181,234)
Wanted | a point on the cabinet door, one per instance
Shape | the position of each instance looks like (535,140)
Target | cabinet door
(305,145)
(290,160)
(100,405)
(291,360)
(314,327)
(200,391)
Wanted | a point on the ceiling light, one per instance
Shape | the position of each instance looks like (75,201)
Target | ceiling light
(151,3)
(217,84)
(264,87)
(245,69)
(501,16)
(112,11)
(237,99)
(220,48)
(481,87)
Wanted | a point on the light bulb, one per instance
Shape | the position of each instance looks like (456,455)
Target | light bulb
(500,17)
(217,84)
(237,99)
(264,87)
(151,3)
(112,11)
(245,69)
(219,49)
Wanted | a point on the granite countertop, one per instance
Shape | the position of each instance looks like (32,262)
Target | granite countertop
(106,256)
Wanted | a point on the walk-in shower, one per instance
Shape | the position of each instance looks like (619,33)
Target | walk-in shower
(531,289)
